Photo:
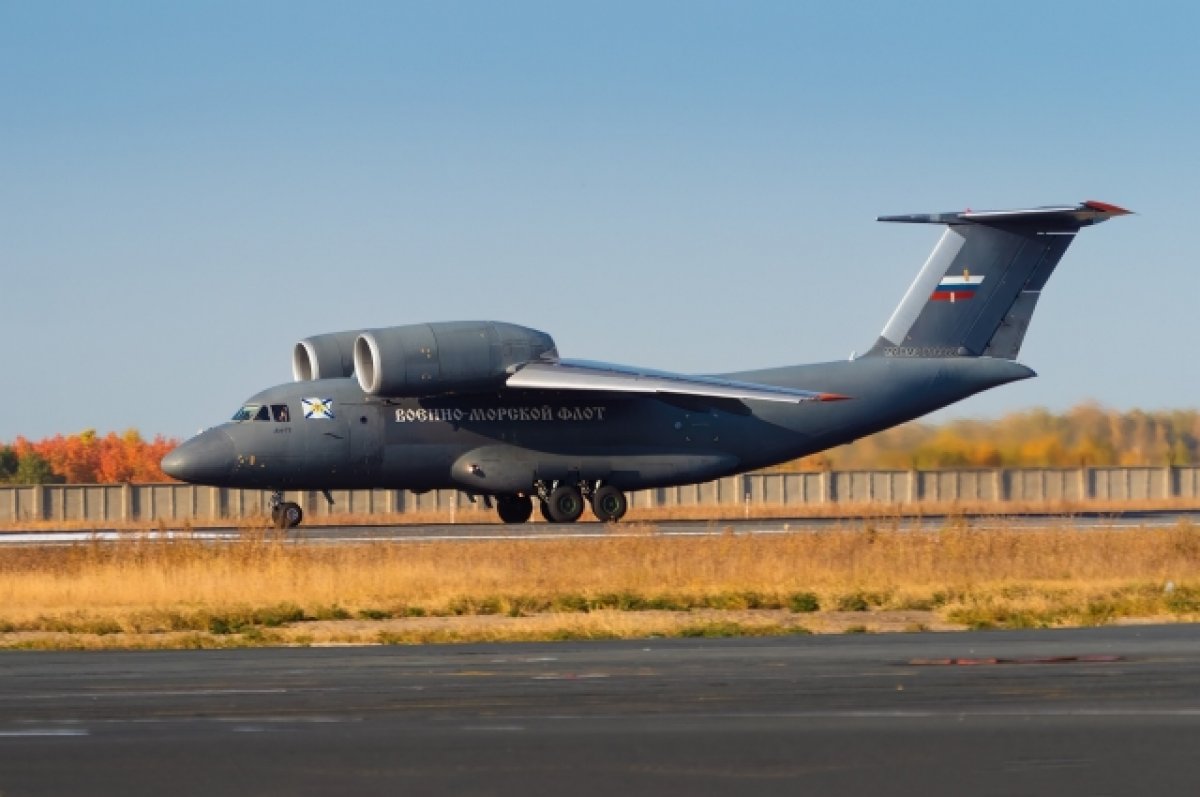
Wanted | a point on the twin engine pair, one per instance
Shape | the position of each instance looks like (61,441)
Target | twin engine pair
(423,359)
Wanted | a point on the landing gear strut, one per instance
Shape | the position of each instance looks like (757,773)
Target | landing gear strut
(285,514)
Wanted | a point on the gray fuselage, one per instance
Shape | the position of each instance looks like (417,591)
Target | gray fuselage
(504,442)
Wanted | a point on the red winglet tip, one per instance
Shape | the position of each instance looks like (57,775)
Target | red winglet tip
(832,397)
(1105,207)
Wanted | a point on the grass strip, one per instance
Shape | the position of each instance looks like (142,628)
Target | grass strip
(198,592)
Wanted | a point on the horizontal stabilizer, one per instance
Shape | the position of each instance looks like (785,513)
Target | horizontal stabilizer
(581,375)
(1081,215)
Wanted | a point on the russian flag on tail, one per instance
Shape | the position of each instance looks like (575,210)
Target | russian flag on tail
(957,289)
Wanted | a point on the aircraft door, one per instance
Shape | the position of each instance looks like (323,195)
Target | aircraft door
(326,441)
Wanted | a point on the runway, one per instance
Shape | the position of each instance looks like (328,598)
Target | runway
(429,532)
(1111,711)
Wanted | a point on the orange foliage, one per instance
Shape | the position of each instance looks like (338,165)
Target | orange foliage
(87,458)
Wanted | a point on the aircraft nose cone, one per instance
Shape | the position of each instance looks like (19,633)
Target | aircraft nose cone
(207,458)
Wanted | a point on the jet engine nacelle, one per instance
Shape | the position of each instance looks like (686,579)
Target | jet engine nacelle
(424,359)
(324,356)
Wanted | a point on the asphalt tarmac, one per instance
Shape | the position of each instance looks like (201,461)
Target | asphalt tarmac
(430,532)
(1110,711)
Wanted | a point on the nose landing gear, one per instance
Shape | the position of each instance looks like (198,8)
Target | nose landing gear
(285,514)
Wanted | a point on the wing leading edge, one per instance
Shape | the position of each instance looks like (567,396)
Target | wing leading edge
(582,375)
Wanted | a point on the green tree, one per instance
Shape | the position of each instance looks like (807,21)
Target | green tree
(34,469)
(8,463)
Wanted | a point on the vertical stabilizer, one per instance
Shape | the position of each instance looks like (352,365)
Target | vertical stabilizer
(977,291)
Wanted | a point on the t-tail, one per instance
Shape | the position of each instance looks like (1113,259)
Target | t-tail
(976,294)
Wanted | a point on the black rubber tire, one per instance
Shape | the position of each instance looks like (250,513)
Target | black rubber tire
(565,504)
(290,515)
(514,508)
(609,504)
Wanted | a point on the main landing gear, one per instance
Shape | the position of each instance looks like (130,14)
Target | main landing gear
(564,503)
(609,504)
(285,514)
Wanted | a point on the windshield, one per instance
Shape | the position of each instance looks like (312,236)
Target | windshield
(252,412)
(262,412)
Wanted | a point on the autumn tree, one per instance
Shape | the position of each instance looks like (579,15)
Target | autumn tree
(1084,436)
(87,458)
(20,464)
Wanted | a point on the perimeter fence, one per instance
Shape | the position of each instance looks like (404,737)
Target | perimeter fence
(1024,488)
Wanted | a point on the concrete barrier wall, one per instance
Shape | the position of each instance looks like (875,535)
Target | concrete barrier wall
(101,503)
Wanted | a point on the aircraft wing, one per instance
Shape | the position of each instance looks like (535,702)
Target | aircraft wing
(584,375)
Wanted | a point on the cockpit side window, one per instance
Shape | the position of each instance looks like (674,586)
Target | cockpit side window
(280,413)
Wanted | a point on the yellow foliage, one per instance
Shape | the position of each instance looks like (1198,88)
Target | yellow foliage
(1085,436)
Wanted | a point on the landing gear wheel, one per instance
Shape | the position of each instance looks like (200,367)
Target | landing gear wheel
(544,509)
(514,508)
(287,515)
(565,504)
(609,504)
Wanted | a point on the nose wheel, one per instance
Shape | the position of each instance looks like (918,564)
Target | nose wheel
(285,514)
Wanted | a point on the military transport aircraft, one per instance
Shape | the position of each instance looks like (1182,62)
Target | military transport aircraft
(491,409)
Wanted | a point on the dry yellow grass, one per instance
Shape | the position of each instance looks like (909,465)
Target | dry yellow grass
(267,589)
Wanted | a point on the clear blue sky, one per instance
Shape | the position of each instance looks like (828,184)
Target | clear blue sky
(186,189)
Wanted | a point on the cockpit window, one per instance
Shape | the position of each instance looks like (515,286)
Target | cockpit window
(253,412)
(279,412)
